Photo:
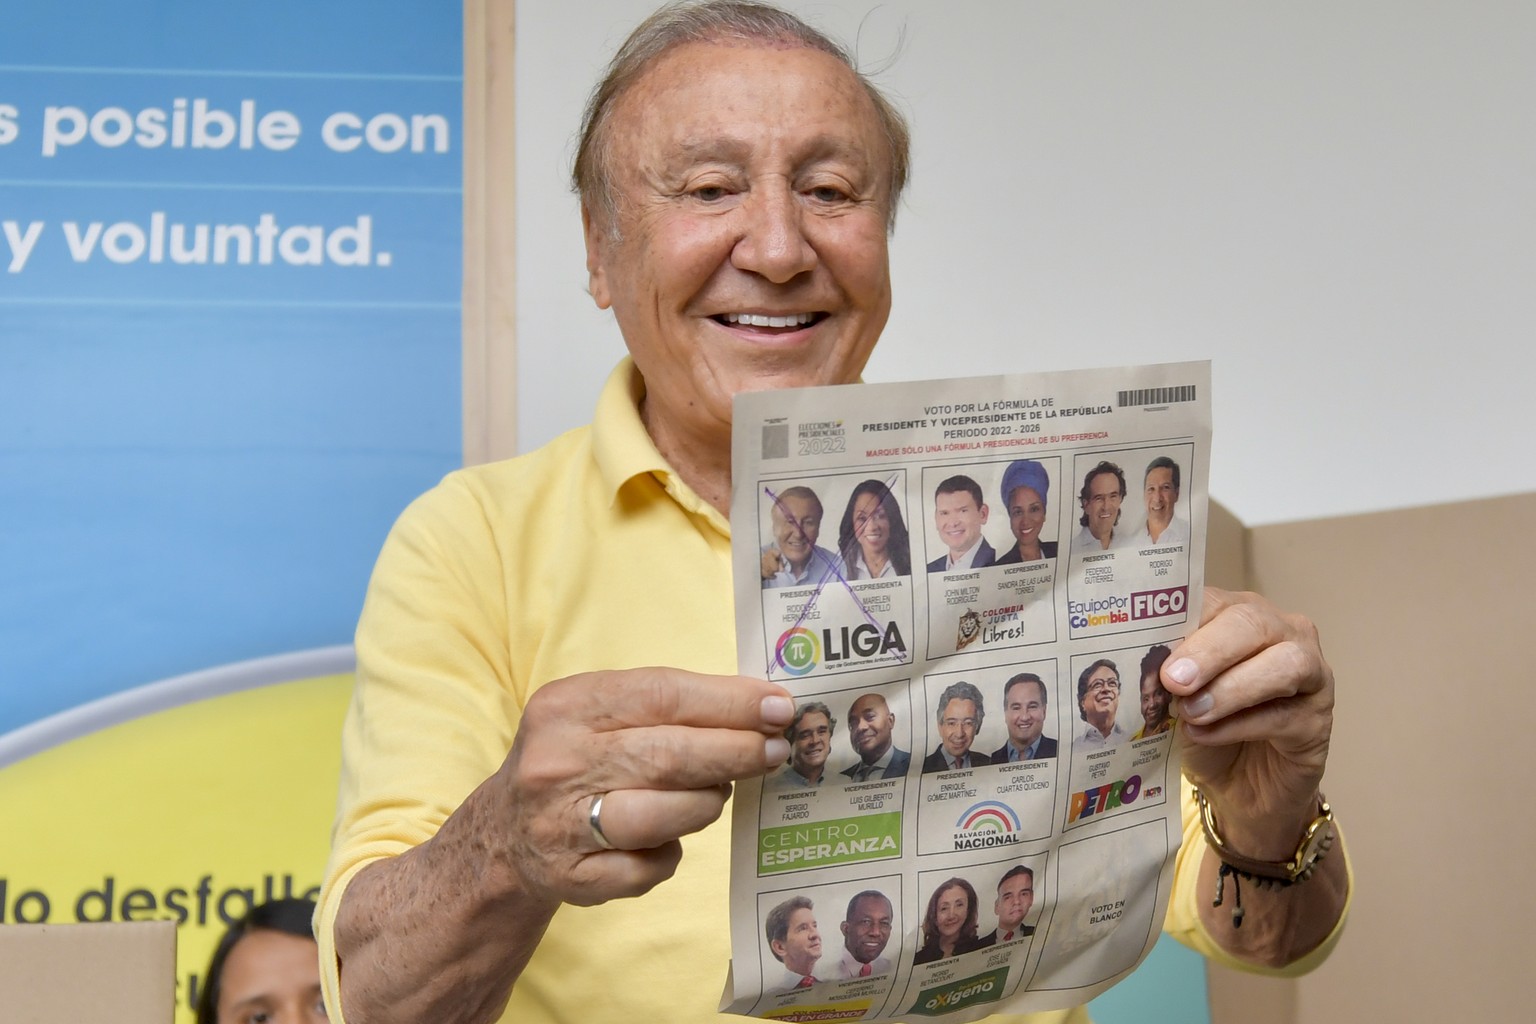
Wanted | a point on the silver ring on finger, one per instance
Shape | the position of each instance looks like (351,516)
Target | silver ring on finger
(595,823)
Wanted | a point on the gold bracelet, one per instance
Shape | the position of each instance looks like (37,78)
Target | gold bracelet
(1315,842)
(1266,874)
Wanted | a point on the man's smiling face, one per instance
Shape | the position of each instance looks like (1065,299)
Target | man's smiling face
(1101,699)
(1103,505)
(867,932)
(957,727)
(870,722)
(812,743)
(958,518)
(796,528)
(1161,496)
(748,250)
(1024,711)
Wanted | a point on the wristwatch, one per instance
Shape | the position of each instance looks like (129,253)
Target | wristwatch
(1315,842)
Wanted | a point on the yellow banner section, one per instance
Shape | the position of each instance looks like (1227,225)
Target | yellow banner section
(191,814)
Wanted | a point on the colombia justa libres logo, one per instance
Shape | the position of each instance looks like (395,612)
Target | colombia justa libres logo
(798,651)
(989,823)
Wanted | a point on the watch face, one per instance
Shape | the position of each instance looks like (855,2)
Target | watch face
(1319,835)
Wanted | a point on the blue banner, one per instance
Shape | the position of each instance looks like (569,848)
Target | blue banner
(229,327)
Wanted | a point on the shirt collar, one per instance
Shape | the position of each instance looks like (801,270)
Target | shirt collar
(968,558)
(624,450)
(1025,753)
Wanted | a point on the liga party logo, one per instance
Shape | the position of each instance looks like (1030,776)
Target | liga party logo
(797,651)
(989,823)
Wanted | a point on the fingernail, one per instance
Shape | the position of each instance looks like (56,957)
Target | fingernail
(1183,671)
(775,751)
(778,710)
(1197,705)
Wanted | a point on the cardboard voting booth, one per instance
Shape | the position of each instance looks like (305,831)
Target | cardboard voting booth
(124,972)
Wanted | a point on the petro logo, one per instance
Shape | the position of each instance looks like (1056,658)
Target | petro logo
(1103,798)
(989,823)
(797,651)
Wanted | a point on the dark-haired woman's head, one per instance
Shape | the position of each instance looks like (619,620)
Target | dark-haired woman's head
(265,969)
(872,528)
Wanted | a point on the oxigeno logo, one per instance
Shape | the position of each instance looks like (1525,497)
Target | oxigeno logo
(989,823)
(797,651)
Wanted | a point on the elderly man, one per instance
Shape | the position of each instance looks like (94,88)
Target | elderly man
(795,942)
(866,931)
(810,741)
(794,558)
(545,726)
(1025,706)
(870,724)
(960,714)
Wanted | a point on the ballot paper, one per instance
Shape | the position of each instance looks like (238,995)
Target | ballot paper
(960,581)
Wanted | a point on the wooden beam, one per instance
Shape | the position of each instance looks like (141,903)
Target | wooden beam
(489,296)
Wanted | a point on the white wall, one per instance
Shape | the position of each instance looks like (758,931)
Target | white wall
(1333,202)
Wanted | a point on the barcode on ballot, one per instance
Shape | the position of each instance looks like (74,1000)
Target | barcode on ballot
(1156,396)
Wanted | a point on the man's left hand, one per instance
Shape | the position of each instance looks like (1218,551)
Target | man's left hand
(1256,713)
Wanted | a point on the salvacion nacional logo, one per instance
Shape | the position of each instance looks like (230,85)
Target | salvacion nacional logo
(989,823)
(797,651)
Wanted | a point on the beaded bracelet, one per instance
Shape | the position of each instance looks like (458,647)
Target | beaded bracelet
(1315,844)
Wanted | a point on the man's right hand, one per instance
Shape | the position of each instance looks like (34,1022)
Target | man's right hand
(661,746)
(443,931)
(772,561)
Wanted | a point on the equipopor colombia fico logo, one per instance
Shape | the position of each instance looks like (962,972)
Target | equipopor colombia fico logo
(986,824)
